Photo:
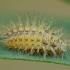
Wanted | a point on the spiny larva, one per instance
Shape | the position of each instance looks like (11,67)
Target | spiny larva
(32,38)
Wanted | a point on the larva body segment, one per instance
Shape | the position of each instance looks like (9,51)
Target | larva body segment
(37,39)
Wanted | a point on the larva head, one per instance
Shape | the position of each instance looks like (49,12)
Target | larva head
(61,44)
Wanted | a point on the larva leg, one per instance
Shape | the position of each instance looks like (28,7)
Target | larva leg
(20,46)
(25,47)
(31,51)
(45,52)
(14,47)
(53,51)
(38,49)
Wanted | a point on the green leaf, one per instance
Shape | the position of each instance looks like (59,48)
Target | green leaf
(6,53)
(67,1)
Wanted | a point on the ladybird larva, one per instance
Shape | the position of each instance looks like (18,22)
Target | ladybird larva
(33,38)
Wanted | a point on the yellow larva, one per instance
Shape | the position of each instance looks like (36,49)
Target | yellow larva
(35,39)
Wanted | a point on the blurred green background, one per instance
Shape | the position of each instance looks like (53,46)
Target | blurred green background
(67,1)
(54,8)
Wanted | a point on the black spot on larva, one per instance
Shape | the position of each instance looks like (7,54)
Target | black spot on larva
(32,40)
(20,39)
(40,33)
(15,39)
(33,32)
(46,43)
(38,45)
(53,33)
(21,32)
(15,33)
(54,40)
(46,31)
(26,39)
(32,44)
(27,32)
(26,44)
(38,40)
(53,45)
